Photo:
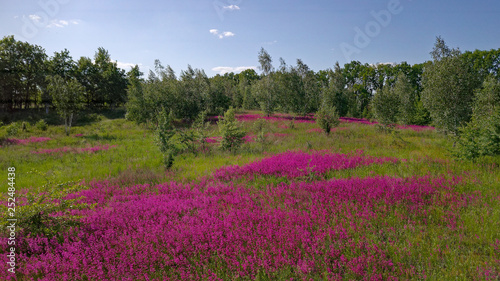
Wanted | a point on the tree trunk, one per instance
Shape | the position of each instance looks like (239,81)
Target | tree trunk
(70,120)
(66,124)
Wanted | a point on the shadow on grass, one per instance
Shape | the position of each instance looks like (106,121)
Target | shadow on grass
(96,137)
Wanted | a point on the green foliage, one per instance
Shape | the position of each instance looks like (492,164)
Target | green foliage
(260,127)
(36,217)
(481,136)
(201,127)
(407,100)
(386,104)
(335,93)
(449,84)
(67,97)
(327,118)
(13,129)
(422,116)
(265,95)
(187,138)
(164,138)
(231,132)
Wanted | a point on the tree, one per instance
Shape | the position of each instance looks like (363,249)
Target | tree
(449,84)
(334,93)
(164,137)
(327,118)
(87,75)
(22,73)
(441,50)
(265,93)
(136,104)
(111,80)
(481,136)
(386,104)
(232,134)
(67,97)
(407,99)
(192,93)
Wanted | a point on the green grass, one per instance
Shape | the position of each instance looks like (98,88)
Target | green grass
(435,252)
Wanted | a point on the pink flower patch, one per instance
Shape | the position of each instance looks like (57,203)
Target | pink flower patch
(295,164)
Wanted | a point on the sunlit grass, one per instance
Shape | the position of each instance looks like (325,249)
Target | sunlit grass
(446,241)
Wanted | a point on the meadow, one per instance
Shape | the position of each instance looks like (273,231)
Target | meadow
(361,203)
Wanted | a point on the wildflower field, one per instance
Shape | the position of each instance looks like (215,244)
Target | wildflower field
(295,204)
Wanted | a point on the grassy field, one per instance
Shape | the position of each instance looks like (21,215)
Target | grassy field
(358,204)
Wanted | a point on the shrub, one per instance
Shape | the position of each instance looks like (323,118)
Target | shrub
(164,138)
(386,104)
(481,136)
(37,217)
(200,128)
(232,134)
(260,127)
(41,125)
(13,129)
(327,118)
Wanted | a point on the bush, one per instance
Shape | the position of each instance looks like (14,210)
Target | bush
(41,125)
(200,128)
(260,127)
(327,118)
(164,138)
(481,136)
(13,129)
(232,134)
(36,217)
(386,104)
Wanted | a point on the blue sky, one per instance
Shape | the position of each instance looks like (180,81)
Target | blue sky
(225,35)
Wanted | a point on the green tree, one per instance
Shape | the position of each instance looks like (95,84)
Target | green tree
(87,75)
(327,118)
(386,104)
(407,99)
(335,93)
(67,97)
(136,106)
(449,84)
(164,137)
(232,134)
(264,88)
(22,73)
(481,136)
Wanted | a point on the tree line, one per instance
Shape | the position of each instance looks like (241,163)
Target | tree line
(452,91)
(26,73)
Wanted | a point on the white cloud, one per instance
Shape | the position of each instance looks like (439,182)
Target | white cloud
(223,34)
(231,7)
(57,23)
(226,69)
(35,18)
(53,23)
(126,65)
(383,63)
